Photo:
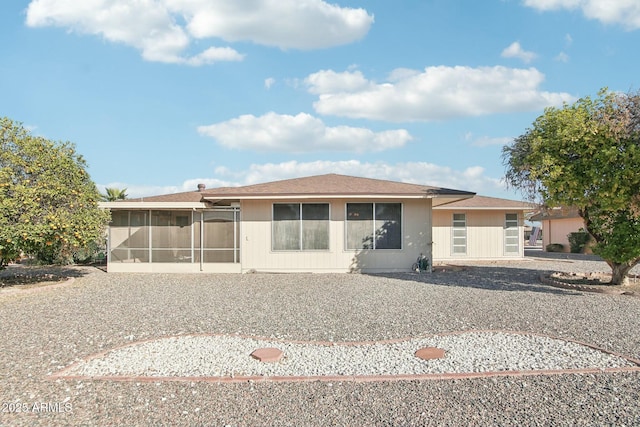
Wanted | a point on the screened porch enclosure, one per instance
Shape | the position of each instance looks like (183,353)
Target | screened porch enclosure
(174,236)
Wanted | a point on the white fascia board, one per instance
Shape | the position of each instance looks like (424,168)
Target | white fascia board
(479,208)
(152,205)
(322,196)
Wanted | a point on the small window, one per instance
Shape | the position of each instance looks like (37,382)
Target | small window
(511,234)
(459,234)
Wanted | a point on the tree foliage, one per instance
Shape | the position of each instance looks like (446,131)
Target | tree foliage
(113,194)
(587,155)
(48,203)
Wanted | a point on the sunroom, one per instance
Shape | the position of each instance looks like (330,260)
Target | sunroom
(176,240)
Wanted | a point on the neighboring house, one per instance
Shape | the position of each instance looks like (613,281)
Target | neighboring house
(557,223)
(327,223)
(479,228)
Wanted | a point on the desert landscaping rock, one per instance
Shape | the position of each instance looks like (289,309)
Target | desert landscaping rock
(226,357)
(47,332)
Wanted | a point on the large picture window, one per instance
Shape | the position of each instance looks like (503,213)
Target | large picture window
(374,226)
(300,226)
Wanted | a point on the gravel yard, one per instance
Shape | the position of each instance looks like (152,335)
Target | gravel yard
(48,330)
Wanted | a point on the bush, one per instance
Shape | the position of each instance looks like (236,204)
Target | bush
(555,247)
(578,240)
(48,202)
(94,252)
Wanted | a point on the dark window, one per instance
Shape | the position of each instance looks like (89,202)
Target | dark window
(374,226)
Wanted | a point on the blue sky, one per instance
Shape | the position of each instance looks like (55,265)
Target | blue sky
(159,95)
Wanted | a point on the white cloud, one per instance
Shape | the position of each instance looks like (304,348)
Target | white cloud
(470,179)
(136,191)
(163,30)
(287,24)
(515,50)
(145,25)
(486,141)
(568,40)
(553,4)
(622,12)
(563,56)
(300,133)
(329,81)
(268,82)
(215,54)
(437,93)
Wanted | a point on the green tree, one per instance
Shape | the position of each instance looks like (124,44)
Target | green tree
(48,203)
(587,155)
(113,194)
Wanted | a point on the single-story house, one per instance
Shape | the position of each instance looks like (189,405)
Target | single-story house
(326,223)
(479,228)
(557,224)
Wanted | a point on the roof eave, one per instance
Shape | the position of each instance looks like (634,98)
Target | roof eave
(152,205)
(445,199)
(485,208)
(333,196)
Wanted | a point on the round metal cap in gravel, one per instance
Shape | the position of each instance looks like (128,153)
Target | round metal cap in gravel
(430,353)
(269,354)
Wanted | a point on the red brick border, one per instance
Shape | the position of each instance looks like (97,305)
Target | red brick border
(354,378)
(548,280)
(350,378)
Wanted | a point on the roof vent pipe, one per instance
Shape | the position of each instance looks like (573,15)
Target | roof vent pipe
(201,187)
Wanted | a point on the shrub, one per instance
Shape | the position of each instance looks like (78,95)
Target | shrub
(578,240)
(555,247)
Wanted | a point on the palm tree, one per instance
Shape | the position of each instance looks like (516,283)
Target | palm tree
(113,194)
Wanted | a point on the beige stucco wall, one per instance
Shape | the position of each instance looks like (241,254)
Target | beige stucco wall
(485,235)
(257,254)
(556,231)
(256,246)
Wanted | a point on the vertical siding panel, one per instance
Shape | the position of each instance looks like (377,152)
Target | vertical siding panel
(485,234)
(442,222)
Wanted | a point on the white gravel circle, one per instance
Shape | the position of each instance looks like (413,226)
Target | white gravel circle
(229,356)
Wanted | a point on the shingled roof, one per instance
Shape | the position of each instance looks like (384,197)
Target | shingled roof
(185,197)
(333,185)
(330,186)
(484,203)
(556,213)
